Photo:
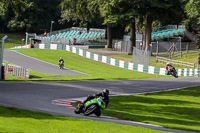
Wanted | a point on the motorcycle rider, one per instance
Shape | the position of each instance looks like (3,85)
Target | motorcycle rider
(168,65)
(61,59)
(104,94)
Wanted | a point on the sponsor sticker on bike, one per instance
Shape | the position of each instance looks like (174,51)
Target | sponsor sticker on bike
(99,100)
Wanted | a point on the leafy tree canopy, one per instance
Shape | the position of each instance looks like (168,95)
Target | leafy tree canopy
(193,10)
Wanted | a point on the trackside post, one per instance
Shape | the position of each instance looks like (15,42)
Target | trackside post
(198,66)
(1,56)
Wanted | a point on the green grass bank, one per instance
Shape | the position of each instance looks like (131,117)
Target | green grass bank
(14,39)
(13,120)
(192,57)
(95,69)
(177,109)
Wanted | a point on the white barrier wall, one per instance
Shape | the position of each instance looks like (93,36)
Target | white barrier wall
(17,71)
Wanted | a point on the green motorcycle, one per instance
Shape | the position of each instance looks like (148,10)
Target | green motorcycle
(93,106)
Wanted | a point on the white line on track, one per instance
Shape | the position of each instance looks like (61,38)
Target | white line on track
(153,91)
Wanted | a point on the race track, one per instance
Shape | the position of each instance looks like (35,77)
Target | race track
(39,95)
(37,65)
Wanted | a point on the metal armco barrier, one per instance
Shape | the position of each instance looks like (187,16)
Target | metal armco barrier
(17,71)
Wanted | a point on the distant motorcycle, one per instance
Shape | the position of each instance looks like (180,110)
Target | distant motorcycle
(93,106)
(61,65)
(172,71)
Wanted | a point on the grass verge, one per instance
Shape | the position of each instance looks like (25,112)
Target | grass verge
(13,120)
(192,57)
(95,69)
(9,76)
(178,109)
(14,39)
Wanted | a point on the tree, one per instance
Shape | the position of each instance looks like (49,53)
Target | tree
(87,11)
(127,16)
(6,14)
(193,21)
(29,15)
(132,36)
(80,11)
(19,21)
(42,13)
(193,10)
(153,10)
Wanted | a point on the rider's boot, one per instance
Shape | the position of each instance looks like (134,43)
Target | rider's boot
(79,109)
(168,73)
(81,106)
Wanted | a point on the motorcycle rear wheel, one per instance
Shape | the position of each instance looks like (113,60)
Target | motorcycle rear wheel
(77,111)
(98,113)
(175,74)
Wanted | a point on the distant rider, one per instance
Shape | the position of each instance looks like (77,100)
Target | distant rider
(61,59)
(168,66)
(104,94)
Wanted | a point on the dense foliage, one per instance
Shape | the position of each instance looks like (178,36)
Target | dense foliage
(36,15)
(28,15)
(193,11)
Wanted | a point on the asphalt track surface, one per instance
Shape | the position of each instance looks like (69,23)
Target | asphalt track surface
(38,96)
(37,65)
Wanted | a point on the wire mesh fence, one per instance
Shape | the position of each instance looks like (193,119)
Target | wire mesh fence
(124,45)
(173,48)
(141,56)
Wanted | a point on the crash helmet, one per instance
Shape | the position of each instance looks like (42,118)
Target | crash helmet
(105,92)
(168,64)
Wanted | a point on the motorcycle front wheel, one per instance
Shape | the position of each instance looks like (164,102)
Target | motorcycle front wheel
(90,110)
